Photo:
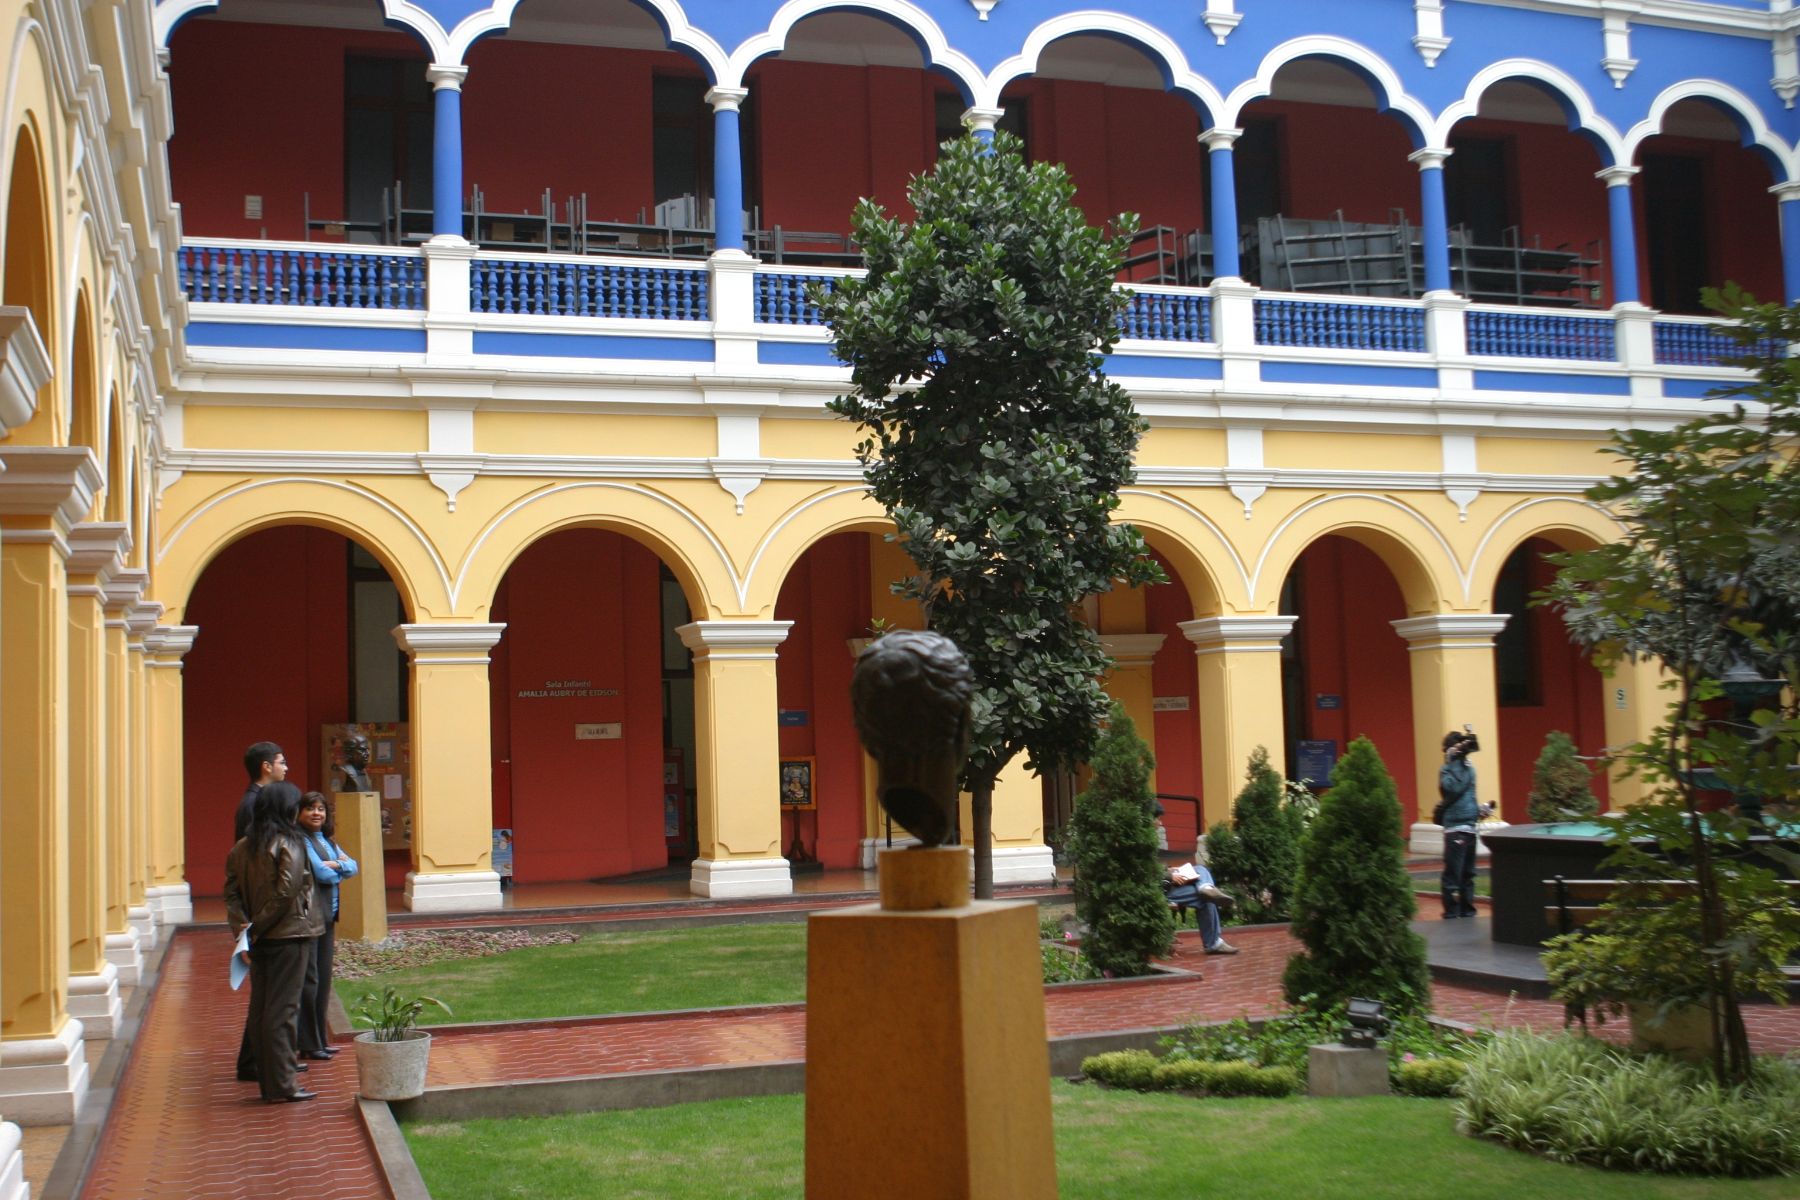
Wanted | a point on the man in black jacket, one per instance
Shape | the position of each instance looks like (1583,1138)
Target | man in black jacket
(264,763)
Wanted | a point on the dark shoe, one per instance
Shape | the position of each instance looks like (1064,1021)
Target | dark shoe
(299,1066)
(318,1054)
(1451,916)
(329,1051)
(1471,913)
(295,1098)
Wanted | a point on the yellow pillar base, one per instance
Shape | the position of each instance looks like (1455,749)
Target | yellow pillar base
(362,899)
(927,1068)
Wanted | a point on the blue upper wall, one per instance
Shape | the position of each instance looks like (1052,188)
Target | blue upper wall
(1734,61)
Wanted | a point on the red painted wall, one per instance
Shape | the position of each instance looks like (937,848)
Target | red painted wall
(1571,698)
(271,663)
(1173,672)
(582,610)
(826,595)
(1743,222)
(259,110)
(1347,598)
(1348,158)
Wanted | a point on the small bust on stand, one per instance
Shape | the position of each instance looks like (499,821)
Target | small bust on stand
(910,698)
(349,774)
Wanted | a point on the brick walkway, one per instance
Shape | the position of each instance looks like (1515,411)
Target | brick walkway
(182,1127)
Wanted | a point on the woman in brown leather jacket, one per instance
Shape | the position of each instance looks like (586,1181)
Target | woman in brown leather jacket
(269,887)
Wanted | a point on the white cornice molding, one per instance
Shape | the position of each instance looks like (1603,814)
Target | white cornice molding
(143,618)
(97,549)
(1451,631)
(1218,635)
(169,644)
(734,639)
(444,645)
(1132,649)
(24,366)
(1693,15)
(59,482)
(124,591)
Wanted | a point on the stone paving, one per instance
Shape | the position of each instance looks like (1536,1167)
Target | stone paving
(181,1126)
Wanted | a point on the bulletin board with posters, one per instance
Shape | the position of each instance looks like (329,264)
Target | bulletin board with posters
(387,772)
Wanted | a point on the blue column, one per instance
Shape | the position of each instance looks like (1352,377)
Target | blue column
(1789,195)
(1224,201)
(981,122)
(1621,233)
(446,150)
(1434,232)
(728,168)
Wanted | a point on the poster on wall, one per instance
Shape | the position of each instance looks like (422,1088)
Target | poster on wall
(373,757)
(503,853)
(797,784)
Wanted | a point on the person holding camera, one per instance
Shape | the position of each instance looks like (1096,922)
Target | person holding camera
(1458,811)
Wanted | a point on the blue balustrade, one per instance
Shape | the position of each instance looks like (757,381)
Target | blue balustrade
(1526,334)
(781,297)
(250,274)
(1339,325)
(1696,344)
(541,288)
(1168,317)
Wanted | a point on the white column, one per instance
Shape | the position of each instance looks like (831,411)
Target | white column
(168,895)
(139,621)
(122,593)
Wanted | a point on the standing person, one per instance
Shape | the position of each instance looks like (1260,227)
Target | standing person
(265,764)
(269,890)
(318,826)
(1458,811)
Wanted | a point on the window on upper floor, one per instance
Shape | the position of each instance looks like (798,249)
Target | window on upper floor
(1674,237)
(387,134)
(1478,189)
(682,152)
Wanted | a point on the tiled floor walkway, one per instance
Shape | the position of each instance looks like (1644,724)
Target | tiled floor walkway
(182,1127)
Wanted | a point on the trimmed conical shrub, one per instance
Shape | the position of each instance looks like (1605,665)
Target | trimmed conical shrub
(1560,788)
(1354,904)
(1118,876)
(1256,857)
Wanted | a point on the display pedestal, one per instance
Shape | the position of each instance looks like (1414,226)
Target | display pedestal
(1335,1070)
(362,898)
(927,1067)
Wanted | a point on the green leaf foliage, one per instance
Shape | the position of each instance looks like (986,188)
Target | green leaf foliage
(1560,788)
(1118,874)
(1354,904)
(1140,1070)
(1428,1076)
(994,440)
(1256,857)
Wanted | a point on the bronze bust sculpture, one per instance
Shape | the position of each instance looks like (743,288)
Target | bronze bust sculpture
(350,775)
(910,698)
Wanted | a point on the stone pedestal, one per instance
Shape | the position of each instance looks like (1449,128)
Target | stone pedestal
(452,891)
(362,899)
(1335,1070)
(126,958)
(171,904)
(43,1080)
(94,1001)
(12,1163)
(927,1068)
(143,923)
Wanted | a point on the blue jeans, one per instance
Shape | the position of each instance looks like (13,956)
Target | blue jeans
(1206,913)
(1457,885)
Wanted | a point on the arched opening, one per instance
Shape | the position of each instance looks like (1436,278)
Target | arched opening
(1100,106)
(829,594)
(295,642)
(27,280)
(1543,680)
(592,710)
(1175,704)
(1527,215)
(1327,201)
(1345,672)
(84,392)
(1704,209)
(118,480)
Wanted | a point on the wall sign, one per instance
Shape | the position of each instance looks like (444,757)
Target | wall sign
(1313,761)
(561,689)
(791,717)
(600,731)
(1328,700)
(1169,704)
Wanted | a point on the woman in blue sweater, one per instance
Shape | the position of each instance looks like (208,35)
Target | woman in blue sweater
(330,864)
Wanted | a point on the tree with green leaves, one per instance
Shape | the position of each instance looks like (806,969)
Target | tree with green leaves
(994,440)
(1256,854)
(1560,783)
(1705,579)
(1354,906)
(1118,873)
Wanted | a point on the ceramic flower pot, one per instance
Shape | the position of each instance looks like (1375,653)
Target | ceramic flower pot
(392,1070)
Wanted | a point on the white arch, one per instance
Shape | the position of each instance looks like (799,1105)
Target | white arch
(1493,531)
(1724,93)
(937,46)
(171,13)
(1462,576)
(450,47)
(1025,62)
(1320,45)
(1530,68)
(1207,523)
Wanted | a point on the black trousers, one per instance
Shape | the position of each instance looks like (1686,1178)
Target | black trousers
(1458,882)
(315,997)
(277,974)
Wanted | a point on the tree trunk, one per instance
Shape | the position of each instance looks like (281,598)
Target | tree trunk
(981,816)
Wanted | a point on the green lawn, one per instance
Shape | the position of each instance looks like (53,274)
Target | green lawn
(635,971)
(1110,1146)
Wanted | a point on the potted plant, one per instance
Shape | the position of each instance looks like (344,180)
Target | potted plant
(391,1057)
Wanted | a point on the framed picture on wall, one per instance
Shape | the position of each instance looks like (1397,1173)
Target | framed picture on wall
(797,783)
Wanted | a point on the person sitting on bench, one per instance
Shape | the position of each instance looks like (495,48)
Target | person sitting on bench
(1191,886)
